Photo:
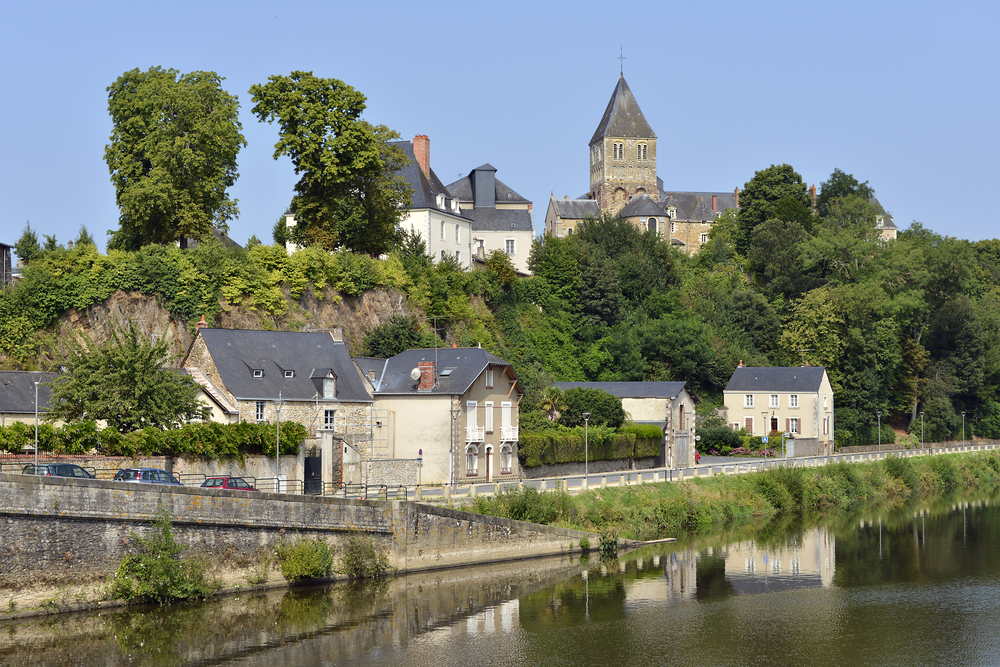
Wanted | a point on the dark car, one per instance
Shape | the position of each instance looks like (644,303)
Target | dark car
(146,476)
(226,482)
(58,470)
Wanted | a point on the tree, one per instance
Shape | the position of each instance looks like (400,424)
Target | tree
(604,409)
(84,237)
(124,382)
(552,403)
(349,192)
(760,196)
(172,156)
(27,247)
(400,333)
(499,263)
(841,185)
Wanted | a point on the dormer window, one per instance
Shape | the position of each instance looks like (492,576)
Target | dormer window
(289,375)
(258,373)
(671,213)
(440,201)
(330,385)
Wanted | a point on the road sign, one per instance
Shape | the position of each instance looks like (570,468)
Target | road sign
(764,439)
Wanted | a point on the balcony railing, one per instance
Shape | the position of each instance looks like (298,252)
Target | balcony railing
(475,433)
(508,434)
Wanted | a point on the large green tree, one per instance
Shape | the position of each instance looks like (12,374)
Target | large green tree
(759,201)
(841,185)
(349,192)
(125,383)
(172,156)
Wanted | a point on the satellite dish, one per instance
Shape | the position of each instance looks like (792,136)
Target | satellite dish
(415,374)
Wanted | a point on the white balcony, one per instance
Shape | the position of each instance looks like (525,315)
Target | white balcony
(508,434)
(475,433)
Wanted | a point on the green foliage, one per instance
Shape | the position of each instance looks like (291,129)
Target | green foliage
(609,543)
(903,470)
(124,383)
(155,572)
(499,263)
(27,248)
(172,155)
(363,557)
(841,185)
(305,559)
(716,435)
(570,445)
(604,409)
(349,193)
(400,333)
(760,197)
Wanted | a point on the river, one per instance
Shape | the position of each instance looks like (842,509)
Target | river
(917,585)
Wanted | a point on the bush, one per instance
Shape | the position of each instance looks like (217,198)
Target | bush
(604,409)
(156,572)
(363,558)
(901,469)
(305,559)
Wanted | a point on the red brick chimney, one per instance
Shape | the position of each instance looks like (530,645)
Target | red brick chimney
(715,204)
(426,374)
(201,325)
(736,196)
(812,193)
(422,151)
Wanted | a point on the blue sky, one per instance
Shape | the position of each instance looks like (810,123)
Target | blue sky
(902,95)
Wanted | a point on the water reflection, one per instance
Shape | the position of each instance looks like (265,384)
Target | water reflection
(914,585)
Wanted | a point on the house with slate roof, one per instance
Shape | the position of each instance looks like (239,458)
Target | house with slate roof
(17,396)
(456,409)
(6,267)
(797,400)
(309,376)
(669,405)
(563,215)
(501,218)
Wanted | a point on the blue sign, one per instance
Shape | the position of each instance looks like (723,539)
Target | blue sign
(764,439)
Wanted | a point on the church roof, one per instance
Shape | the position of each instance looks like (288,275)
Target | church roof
(577,209)
(641,205)
(623,117)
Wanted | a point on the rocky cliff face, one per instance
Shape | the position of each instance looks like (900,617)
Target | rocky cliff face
(356,315)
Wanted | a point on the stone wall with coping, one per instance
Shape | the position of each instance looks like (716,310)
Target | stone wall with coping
(392,472)
(593,467)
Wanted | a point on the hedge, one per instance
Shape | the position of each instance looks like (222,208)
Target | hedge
(605,444)
(208,440)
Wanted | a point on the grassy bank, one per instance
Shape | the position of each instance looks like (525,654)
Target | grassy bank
(654,511)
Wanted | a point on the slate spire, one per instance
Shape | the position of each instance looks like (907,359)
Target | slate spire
(623,117)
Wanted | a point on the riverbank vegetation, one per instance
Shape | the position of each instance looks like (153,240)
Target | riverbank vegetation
(655,511)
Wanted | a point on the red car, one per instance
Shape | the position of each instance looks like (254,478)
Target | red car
(226,482)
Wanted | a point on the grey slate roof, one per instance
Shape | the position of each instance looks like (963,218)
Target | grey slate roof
(499,220)
(425,190)
(641,205)
(577,209)
(371,365)
(783,379)
(237,353)
(887,222)
(462,189)
(468,363)
(632,389)
(623,117)
(697,205)
(17,391)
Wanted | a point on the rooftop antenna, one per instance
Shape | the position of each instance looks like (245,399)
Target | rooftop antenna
(621,57)
(803,351)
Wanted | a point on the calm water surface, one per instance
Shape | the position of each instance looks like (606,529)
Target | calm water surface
(916,586)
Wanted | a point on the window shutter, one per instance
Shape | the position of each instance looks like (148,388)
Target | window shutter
(787,425)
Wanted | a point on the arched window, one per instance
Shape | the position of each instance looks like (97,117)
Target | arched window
(506,459)
(471,460)
(651,224)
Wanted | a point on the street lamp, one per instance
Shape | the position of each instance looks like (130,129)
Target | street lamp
(879,432)
(963,429)
(829,437)
(586,446)
(36,422)
(277,446)
(921,430)
(767,427)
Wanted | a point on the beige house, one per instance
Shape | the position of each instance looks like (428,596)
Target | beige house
(669,405)
(796,400)
(454,409)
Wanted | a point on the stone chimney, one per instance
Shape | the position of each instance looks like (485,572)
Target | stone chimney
(201,325)
(422,152)
(715,203)
(736,196)
(338,334)
(741,364)
(427,373)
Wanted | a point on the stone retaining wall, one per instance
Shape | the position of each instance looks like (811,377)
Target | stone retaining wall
(547,470)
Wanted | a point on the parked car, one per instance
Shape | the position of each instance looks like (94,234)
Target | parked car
(146,476)
(227,482)
(58,470)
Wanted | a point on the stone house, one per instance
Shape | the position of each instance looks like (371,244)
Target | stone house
(564,215)
(455,409)
(306,377)
(17,396)
(501,218)
(797,400)
(669,405)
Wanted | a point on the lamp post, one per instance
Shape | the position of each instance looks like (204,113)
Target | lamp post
(829,437)
(36,422)
(455,413)
(586,446)
(277,446)
(963,429)
(879,432)
(921,430)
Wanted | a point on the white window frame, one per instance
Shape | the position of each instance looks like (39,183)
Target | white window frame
(747,400)
(774,401)
(510,247)
(458,238)
(793,400)
(704,238)
(488,412)
(442,230)
(471,460)
(329,417)
(489,377)
(506,459)
(793,424)
(258,373)
(458,256)
(259,411)
(329,387)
